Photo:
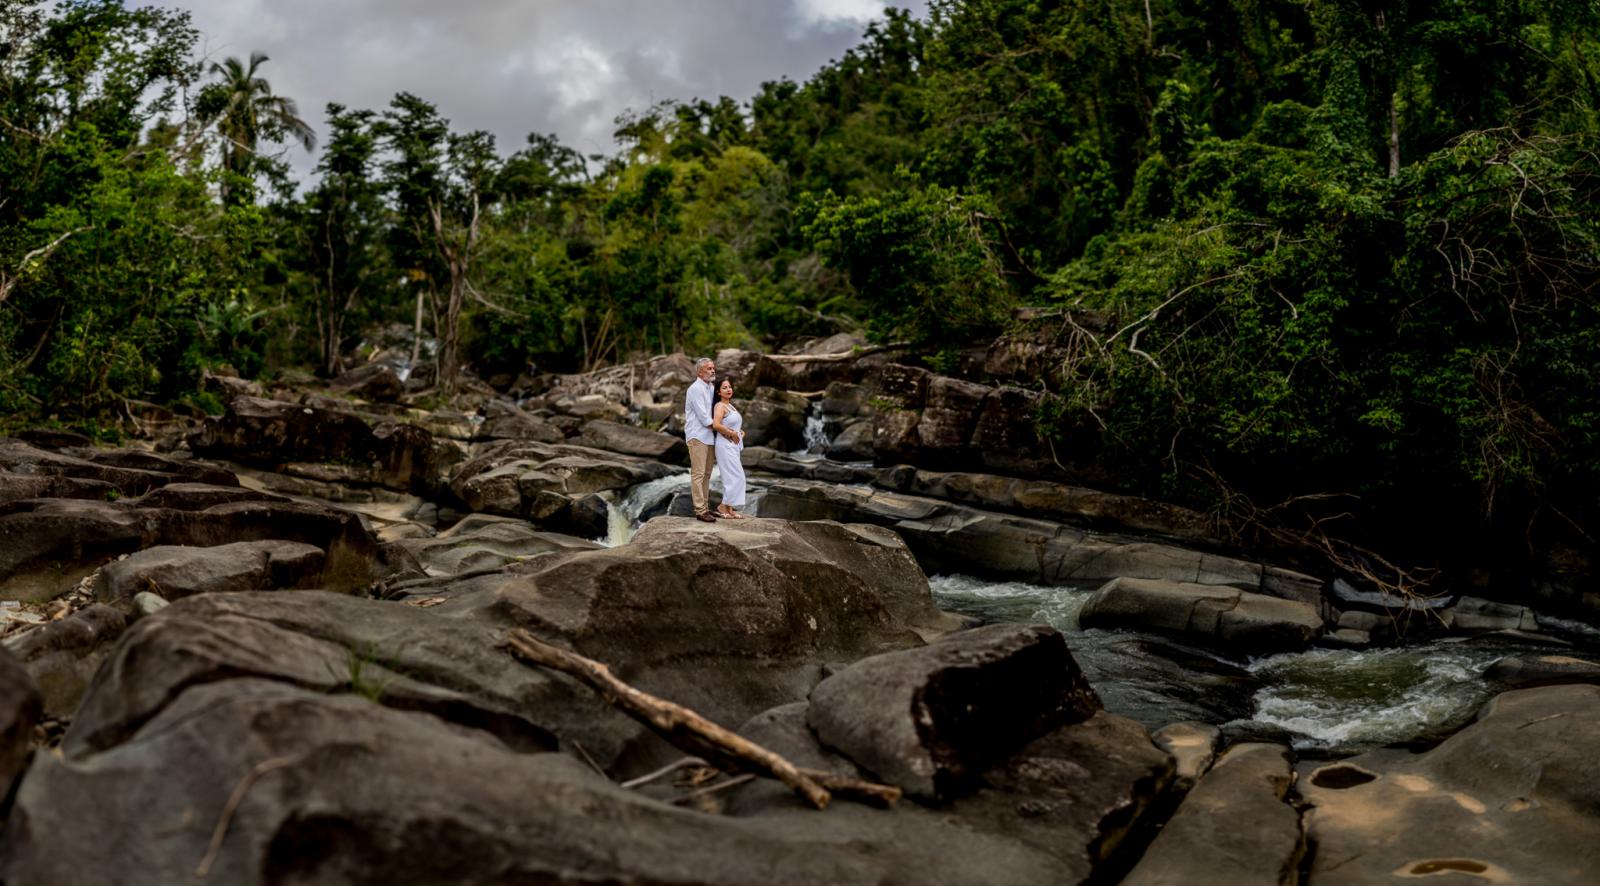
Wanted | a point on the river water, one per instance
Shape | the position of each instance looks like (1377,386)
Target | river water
(1322,701)
(1332,701)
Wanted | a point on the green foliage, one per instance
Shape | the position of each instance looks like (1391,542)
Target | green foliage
(1327,245)
(921,258)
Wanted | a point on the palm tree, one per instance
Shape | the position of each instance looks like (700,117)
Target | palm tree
(246,113)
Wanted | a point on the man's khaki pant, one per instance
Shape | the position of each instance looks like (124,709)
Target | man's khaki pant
(701,459)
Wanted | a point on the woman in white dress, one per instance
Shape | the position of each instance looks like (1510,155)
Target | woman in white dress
(728,423)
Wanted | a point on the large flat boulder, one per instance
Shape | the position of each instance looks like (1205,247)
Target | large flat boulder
(542,482)
(730,618)
(46,545)
(931,719)
(337,789)
(270,434)
(1224,617)
(1053,812)
(1235,827)
(400,656)
(254,782)
(176,571)
(1051,500)
(629,440)
(954,538)
(1511,798)
(483,542)
(1527,671)
(127,472)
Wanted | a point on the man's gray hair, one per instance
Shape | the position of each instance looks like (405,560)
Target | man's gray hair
(701,364)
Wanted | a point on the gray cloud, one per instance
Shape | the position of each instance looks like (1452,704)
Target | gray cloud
(518,66)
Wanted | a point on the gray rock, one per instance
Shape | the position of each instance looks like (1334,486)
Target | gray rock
(484,542)
(541,482)
(63,655)
(18,487)
(1475,614)
(955,538)
(199,496)
(1053,812)
(1524,671)
(930,719)
(176,571)
(1361,620)
(1059,501)
(127,472)
(47,545)
(269,434)
(1347,638)
(1228,618)
(629,440)
(853,443)
(341,790)
(402,656)
(20,707)
(1193,747)
(332,788)
(774,418)
(1235,826)
(1508,799)
(146,603)
(374,381)
(507,421)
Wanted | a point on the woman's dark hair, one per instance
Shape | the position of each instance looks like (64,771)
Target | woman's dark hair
(718,386)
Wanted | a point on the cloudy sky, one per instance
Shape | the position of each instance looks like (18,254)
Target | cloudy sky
(519,66)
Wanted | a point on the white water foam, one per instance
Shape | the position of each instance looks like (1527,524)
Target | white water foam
(1010,601)
(815,434)
(623,512)
(1334,698)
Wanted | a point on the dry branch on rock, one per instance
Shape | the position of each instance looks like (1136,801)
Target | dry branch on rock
(693,733)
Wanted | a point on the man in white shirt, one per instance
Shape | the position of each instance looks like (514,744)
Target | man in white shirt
(698,434)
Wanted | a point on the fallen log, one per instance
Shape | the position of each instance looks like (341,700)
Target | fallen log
(694,734)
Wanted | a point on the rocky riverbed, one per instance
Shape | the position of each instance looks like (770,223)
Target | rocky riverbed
(268,647)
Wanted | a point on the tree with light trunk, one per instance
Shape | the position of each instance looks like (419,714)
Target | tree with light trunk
(441,187)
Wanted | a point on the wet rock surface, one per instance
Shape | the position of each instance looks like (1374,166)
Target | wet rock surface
(1234,620)
(1510,798)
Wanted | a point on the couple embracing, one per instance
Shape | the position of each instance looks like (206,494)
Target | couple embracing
(712,426)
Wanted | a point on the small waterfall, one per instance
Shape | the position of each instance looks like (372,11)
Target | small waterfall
(816,435)
(623,512)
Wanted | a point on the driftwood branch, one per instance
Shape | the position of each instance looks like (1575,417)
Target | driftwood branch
(693,733)
(838,357)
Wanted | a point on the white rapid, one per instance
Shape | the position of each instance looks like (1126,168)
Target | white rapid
(624,511)
(815,434)
(1326,700)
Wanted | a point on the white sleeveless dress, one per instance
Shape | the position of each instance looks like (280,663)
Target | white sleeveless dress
(728,461)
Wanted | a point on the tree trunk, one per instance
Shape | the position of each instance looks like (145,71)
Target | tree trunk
(416,333)
(1394,135)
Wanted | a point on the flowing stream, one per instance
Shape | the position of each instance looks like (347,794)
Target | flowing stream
(1323,701)
(625,512)
(815,434)
(1332,701)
